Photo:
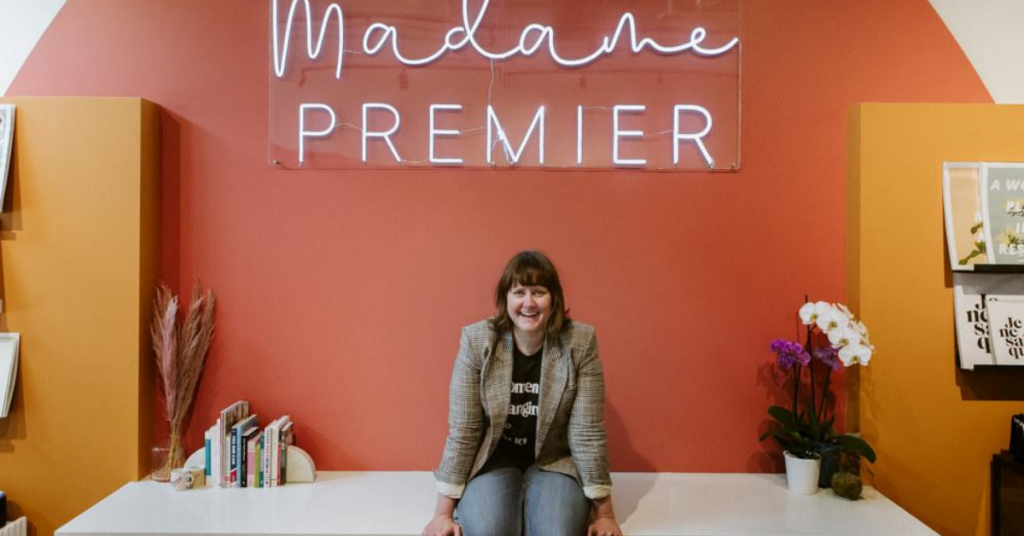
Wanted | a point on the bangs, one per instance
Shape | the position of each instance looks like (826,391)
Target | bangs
(530,274)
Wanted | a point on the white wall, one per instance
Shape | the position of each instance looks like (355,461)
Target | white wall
(22,23)
(989,32)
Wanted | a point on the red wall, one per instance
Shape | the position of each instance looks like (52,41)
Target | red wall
(342,292)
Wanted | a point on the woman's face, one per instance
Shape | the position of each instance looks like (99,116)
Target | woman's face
(529,307)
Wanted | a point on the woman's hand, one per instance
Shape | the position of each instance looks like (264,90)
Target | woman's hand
(604,526)
(443,525)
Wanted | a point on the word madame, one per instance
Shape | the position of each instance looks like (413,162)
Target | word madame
(533,37)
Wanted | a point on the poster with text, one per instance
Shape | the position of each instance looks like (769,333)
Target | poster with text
(1003,212)
(1006,328)
(961,196)
(972,321)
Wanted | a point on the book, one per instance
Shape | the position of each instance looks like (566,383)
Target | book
(265,459)
(6,143)
(236,461)
(272,455)
(9,347)
(229,417)
(252,467)
(244,461)
(208,451)
(971,316)
(1002,203)
(287,439)
(1006,328)
(961,201)
(215,456)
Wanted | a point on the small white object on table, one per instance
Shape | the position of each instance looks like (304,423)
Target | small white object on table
(401,503)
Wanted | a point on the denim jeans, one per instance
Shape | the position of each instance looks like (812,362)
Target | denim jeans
(501,501)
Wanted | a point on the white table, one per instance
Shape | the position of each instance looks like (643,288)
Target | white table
(401,503)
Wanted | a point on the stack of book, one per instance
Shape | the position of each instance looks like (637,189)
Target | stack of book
(239,454)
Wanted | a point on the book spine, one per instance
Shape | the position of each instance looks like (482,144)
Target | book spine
(242,459)
(283,455)
(250,466)
(287,440)
(208,458)
(258,462)
(233,461)
(218,452)
(275,459)
(266,458)
(222,440)
(214,458)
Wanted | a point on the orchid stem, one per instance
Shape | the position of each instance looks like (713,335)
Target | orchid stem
(824,393)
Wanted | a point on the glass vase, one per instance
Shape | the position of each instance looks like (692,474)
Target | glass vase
(164,457)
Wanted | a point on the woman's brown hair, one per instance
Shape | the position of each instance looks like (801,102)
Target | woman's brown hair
(529,268)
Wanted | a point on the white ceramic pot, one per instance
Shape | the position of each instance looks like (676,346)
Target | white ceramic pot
(801,474)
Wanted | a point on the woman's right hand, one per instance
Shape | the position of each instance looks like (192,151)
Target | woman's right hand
(442,525)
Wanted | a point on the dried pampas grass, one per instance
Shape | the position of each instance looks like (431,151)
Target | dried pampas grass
(180,355)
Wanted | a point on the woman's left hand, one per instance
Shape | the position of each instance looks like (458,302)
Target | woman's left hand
(604,526)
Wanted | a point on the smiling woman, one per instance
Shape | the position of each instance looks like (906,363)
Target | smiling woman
(526,444)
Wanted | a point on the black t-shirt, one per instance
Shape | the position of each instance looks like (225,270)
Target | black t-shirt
(519,437)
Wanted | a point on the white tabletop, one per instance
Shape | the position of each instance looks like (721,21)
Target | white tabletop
(401,503)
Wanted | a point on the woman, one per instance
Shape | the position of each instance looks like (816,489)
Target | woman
(526,443)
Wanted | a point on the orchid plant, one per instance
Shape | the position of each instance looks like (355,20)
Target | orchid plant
(807,425)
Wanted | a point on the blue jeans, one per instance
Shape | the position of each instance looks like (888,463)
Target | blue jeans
(497,502)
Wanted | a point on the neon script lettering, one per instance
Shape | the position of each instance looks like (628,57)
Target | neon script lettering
(533,38)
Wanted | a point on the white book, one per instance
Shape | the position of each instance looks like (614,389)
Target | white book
(215,454)
(972,321)
(6,142)
(9,344)
(961,201)
(1006,328)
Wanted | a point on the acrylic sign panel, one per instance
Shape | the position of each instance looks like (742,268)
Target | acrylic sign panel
(562,84)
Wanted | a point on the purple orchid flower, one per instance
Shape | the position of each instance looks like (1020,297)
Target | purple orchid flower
(790,353)
(828,356)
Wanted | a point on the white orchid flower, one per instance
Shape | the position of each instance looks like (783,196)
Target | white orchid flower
(807,315)
(844,336)
(810,312)
(855,354)
(862,330)
(832,319)
(846,310)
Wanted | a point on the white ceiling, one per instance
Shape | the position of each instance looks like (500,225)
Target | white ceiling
(987,30)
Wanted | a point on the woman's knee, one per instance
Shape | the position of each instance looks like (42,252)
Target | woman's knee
(555,505)
(492,504)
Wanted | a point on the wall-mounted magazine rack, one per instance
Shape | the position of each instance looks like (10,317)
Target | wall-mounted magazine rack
(984,219)
(998,269)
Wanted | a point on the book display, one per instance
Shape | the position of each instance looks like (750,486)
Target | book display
(240,454)
(983,208)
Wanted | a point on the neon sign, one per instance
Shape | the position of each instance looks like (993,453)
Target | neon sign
(385,135)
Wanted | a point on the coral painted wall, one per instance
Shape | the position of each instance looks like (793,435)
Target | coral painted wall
(341,293)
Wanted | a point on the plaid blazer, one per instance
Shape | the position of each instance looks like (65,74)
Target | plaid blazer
(570,427)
